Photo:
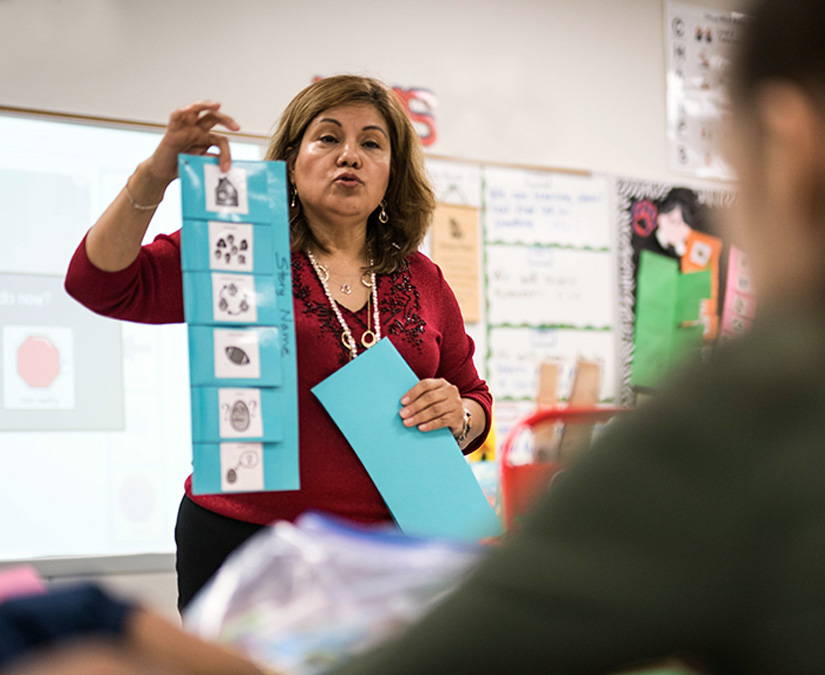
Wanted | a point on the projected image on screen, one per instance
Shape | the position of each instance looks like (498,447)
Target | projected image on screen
(57,359)
(38,368)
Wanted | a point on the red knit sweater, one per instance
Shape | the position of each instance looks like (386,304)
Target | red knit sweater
(419,313)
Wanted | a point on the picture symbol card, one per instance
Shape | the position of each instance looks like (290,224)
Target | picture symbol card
(234,298)
(231,246)
(240,413)
(225,192)
(237,353)
(241,467)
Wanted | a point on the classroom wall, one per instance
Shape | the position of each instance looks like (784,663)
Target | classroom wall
(567,83)
(571,83)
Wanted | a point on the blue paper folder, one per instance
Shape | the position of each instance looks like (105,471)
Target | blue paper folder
(422,476)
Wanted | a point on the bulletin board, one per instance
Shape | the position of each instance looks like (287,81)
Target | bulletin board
(682,286)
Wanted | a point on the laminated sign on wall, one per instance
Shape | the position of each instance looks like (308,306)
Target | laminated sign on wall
(238,303)
(698,43)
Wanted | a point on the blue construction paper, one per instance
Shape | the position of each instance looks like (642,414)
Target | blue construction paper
(204,358)
(265,191)
(207,413)
(422,476)
(200,307)
(236,247)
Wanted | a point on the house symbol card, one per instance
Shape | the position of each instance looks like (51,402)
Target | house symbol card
(422,476)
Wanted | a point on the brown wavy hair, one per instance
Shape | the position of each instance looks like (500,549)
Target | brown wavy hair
(409,198)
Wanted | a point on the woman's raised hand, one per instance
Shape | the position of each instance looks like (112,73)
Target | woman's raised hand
(191,130)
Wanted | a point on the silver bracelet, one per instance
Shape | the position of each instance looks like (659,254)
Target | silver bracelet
(465,428)
(135,205)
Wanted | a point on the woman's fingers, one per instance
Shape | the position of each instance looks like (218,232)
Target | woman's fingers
(430,401)
(445,421)
(210,119)
(190,131)
(189,114)
(222,143)
(431,413)
(423,399)
(422,387)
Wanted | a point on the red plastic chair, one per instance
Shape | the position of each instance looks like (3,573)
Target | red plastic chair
(522,483)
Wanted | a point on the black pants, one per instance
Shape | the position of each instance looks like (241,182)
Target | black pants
(204,540)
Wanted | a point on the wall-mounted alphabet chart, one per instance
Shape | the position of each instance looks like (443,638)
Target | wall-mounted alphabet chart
(237,288)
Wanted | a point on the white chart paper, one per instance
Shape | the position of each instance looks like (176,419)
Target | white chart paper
(542,207)
(547,286)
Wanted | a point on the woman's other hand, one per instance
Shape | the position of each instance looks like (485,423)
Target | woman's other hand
(191,130)
(433,404)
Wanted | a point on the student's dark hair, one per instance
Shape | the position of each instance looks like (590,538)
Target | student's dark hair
(784,40)
(693,213)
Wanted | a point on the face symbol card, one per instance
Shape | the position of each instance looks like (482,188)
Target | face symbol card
(237,353)
(241,467)
(225,192)
(240,413)
(233,298)
(230,246)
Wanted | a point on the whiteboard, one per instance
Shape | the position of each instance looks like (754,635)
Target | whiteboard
(108,483)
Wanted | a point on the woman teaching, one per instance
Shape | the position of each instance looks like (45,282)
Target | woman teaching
(359,205)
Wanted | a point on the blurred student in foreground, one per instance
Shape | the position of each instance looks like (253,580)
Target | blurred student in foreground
(83,630)
(697,527)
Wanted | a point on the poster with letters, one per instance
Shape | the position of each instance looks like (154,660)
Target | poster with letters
(699,42)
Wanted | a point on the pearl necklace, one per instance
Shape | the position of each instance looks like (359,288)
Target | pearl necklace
(369,338)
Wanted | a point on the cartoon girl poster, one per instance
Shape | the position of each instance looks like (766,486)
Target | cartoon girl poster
(678,224)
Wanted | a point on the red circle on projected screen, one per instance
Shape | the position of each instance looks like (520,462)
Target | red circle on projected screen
(38,361)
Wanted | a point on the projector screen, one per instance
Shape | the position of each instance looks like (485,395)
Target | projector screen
(94,413)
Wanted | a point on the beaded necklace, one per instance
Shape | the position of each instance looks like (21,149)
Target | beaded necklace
(370,337)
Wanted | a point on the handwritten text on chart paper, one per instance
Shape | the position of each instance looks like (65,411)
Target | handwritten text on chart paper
(538,207)
(549,286)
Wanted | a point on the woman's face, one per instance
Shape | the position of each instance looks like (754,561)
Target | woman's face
(342,168)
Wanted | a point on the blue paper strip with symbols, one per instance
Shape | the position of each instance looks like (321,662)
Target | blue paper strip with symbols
(237,284)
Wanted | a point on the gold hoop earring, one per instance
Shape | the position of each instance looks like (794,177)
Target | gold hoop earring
(383,217)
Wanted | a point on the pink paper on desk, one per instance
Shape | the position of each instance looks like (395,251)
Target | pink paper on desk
(20,580)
